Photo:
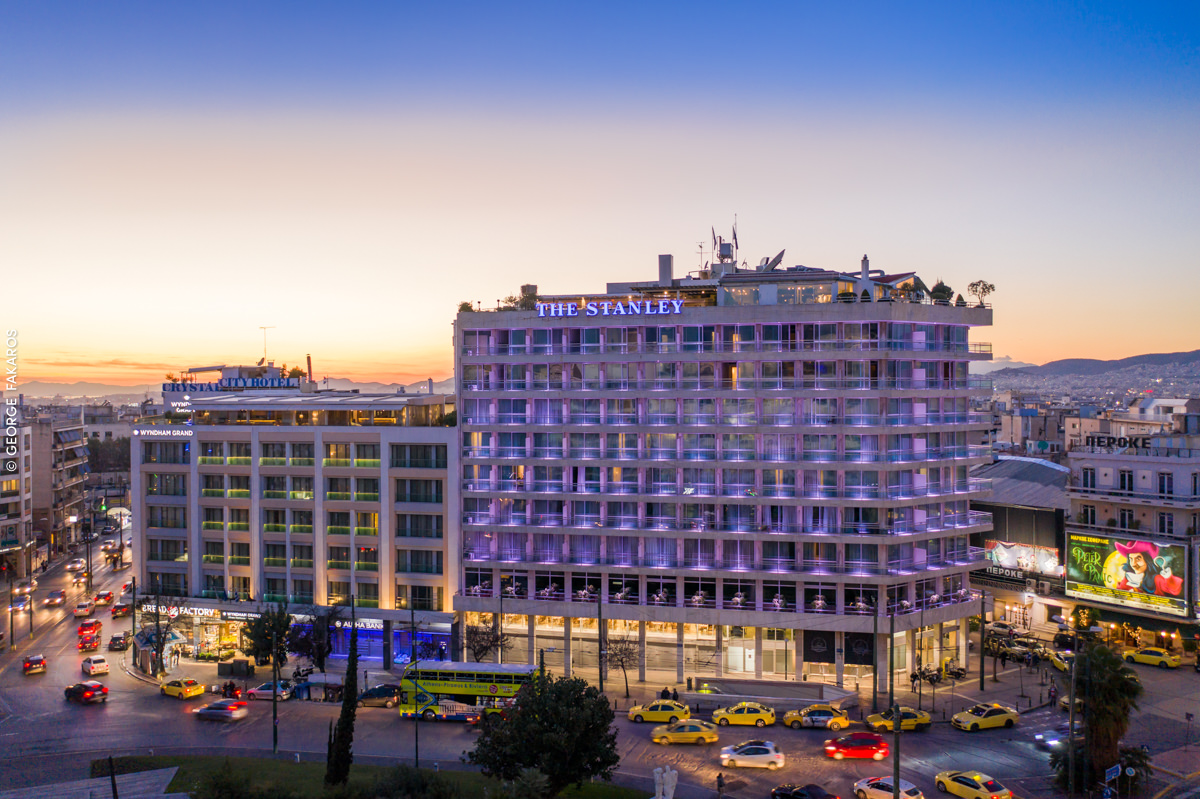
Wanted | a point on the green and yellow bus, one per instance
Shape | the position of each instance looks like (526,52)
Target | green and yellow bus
(439,689)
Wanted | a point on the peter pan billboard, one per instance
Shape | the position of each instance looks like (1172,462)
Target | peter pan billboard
(1132,572)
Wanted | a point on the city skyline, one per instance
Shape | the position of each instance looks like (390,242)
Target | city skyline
(349,178)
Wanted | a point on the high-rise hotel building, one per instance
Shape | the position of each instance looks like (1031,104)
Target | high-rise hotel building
(284,493)
(747,471)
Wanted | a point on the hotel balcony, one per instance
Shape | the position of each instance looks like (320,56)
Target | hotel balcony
(652,348)
(748,491)
(978,385)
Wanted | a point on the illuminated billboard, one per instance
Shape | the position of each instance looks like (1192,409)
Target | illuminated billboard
(1131,572)
(1028,558)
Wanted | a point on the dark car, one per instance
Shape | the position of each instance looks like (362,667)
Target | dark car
(34,664)
(121,609)
(386,695)
(1067,640)
(88,643)
(119,642)
(87,693)
(792,791)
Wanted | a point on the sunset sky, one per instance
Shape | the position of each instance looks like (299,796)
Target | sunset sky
(174,176)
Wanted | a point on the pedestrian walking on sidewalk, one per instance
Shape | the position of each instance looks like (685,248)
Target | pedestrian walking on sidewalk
(720,785)
(1003,659)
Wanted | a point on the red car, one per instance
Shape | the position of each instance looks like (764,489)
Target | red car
(104,598)
(88,643)
(857,744)
(89,627)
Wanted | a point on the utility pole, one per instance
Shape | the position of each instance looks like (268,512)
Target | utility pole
(8,568)
(897,724)
(600,647)
(875,651)
(274,693)
(891,671)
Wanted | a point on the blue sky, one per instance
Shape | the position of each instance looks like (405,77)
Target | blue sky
(395,158)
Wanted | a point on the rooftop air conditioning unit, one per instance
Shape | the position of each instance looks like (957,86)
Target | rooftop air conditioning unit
(1030,585)
(1043,588)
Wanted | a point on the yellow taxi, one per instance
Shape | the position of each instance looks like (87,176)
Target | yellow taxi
(971,785)
(744,713)
(659,710)
(820,716)
(910,719)
(1062,659)
(1064,703)
(985,716)
(688,731)
(1153,656)
(182,689)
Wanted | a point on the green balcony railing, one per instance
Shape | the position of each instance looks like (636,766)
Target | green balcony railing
(301,495)
(212,492)
(337,462)
(210,594)
(214,559)
(272,461)
(366,531)
(337,529)
(302,599)
(276,598)
(366,565)
(367,463)
(274,528)
(238,461)
(338,564)
(239,493)
(301,529)
(212,526)
(274,494)
(303,461)
(239,527)
(239,560)
(211,460)
(302,563)
(275,563)
(338,495)
(366,603)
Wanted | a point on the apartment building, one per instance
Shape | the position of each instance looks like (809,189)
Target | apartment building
(59,458)
(289,494)
(18,545)
(1132,543)
(747,471)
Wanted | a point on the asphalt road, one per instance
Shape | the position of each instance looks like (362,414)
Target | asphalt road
(39,731)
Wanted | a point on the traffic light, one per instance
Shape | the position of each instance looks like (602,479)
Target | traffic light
(104,506)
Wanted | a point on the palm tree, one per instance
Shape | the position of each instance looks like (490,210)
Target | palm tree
(1110,692)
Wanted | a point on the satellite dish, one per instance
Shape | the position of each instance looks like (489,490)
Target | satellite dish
(763,263)
(260,361)
(774,262)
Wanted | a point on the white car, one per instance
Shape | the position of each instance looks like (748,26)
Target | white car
(753,754)
(96,664)
(25,586)
(85,608)
(76,565)
(881,788)
(1000,628)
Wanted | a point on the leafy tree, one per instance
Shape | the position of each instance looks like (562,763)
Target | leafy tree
(941,291)
(315,641)
(258,634)
(450,419)
(482,640)
(525,301)
(1111,691)
(960,302)
(340,753)
(562,727)
(465,307)
(156,619)
(171,378)
(980,289)
(110,455)
(624,654)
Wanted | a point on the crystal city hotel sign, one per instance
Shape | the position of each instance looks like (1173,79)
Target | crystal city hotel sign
(227,383)
(610,308)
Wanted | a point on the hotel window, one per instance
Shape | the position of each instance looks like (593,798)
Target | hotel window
(698,338)
(302,454)
(166,485)
(161,516)
(417,525)
(1087,515)
(1166,484)
(339,593)
(1127,519)
(274,454)
(368,453)
(545,341)
(1088,477)
(337,522)
(1166,523)
(739,296)
(302,590)
(660,339)
(1125,481)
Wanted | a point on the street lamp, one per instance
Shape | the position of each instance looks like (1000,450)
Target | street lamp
(1071,699)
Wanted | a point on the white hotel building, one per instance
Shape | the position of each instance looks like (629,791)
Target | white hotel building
(305,497)
(749,472)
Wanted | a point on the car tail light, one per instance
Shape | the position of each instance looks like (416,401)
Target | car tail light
(87,694)
(105,690)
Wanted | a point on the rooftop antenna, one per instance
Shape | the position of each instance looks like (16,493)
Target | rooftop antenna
(774,262)
(264,329)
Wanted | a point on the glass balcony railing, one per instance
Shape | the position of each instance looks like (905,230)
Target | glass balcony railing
(338,496)
(304,461)
(212,492)
(302,563)
(366,531)
(274,528)
(301,529)
(337,529)
(366,603)
(270,494)
(211,460)
(367,463)
(239,527)
(337,564)
(366,565)
(272,461)
(276,598)
(275,563)
(238,461)
(337,462)
(213,559)
(239,560)
(301,495)
(239,493)
(212,526)
(366,496)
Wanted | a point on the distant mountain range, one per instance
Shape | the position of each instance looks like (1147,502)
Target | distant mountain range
(1002,362)
(1089,367)
(40,390)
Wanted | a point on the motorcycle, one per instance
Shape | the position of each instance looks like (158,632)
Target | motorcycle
(301,672)
(230,691)
(954,671)
(930,674)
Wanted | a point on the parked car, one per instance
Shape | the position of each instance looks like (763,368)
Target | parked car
(659,710)
(34,664)
(264,691)
(87,693)
(119,642)
(753,754)
(55,598)
(1000,628)
(883,788)
(744,713)
(1153,656)
(386,695)
(223,710)
(96,664)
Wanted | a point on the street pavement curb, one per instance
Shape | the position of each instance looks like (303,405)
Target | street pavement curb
(137,675)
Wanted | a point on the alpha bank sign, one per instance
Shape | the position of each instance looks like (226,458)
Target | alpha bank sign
(610,308)
(231,383)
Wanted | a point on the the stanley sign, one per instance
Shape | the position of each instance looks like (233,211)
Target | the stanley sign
(610,308)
